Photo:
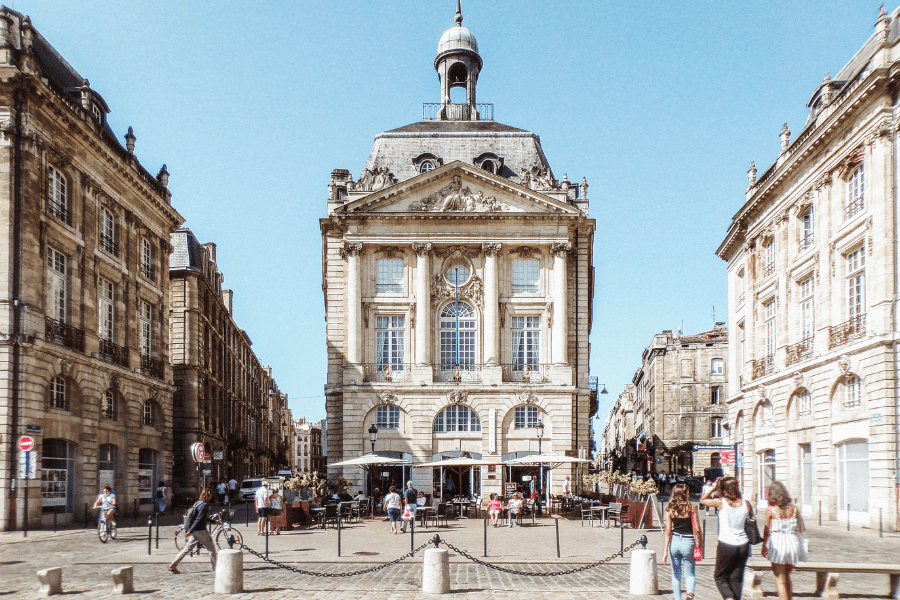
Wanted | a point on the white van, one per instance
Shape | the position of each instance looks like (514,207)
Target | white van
(248,489)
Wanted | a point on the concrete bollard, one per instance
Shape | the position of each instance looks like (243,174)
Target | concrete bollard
(51,581)
(643,573)
(123,580)
(230,572)
(436,571)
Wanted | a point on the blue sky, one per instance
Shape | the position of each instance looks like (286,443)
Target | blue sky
(661,105)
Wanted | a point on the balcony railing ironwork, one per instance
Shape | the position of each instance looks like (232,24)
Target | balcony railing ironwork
(526,373)
(806,241)
(457,373)
(109,244)
(60,212)
(113,353)
(849,330)
(457,112)
(761,367)
(60,333)
(152,367)
(853,208)
(387,373)
(769,269)
(799,351)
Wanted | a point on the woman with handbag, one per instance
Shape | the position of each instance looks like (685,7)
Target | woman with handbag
(782,542)
(683,540)
(733,548)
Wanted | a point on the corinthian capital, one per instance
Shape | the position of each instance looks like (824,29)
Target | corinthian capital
(421,248)
(351,249)
(560,248)
(490,248)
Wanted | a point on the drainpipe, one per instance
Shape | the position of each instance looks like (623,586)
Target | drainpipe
(894,325)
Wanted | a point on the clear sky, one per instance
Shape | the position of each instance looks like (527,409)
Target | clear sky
(660,104)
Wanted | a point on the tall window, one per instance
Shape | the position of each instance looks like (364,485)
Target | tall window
(526,335)
(804,404)
(807,229)
(715,395)
(389,273)
(56,285)
(525,275)
(770,331)
(387,417)
(462,350)
(57,476)
(59,394)
(149,413)
(389,332)
(769,258)
(852,392)
(716,427)
(740,287)
(856,197)
(808,308)
(806,474)
(146,318)
(109,405)
(526,417)
(856,278)
(853,476)
(106,465)
(107,231)
(457,418)
(766,469)
(146,258)
(106,309)
(767,415)
(147,475)
(717,367)
(58,201)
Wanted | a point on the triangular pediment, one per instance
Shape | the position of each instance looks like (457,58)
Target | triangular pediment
(458,188)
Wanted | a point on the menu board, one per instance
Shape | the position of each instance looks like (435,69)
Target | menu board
(510,489)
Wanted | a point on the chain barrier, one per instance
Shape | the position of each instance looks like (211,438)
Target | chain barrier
(350,574)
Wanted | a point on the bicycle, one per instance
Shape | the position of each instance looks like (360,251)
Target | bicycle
(105,528)
(220,534)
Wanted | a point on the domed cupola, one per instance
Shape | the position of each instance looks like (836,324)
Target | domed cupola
(458,65)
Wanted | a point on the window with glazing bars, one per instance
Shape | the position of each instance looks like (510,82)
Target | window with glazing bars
(526,417)
(770,328)
(852,392)
(146,259)
(457,418)
(109,405)
(856,196)
(107,297)
(148,412)
(856,277)
(56,283)
(525,275)
(807,308)
(389,338)
(146,317)
(389,273)
(526,335)
(467,333)
(59,397)
(58,200)
(107,231)
(387,417)
(804,404)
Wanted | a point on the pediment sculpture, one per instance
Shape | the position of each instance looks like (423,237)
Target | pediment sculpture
(526,397)
(455,198)
(538,178)
(473,290)
(373,180)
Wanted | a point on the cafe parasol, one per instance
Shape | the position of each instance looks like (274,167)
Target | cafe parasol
(456,465)
(366,461)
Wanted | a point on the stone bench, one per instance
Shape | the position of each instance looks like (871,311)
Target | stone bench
(827,576)
(123,580)
(51,581)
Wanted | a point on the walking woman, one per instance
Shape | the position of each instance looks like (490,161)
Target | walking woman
(733,549)
(781,539)
(682,534)
(392,508)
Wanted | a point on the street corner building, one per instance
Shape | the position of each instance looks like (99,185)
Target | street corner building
(84,320)
(813,290)
(458,283)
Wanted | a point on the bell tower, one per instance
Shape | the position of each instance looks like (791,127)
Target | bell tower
(458,65)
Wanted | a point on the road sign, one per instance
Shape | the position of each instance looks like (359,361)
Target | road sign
(712,447)
(26,443)
(27,464)
(207,456)
(207,472)
(218,455)
(197,452)
(33,429)
(727,457)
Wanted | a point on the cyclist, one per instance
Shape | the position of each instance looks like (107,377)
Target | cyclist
(106,502)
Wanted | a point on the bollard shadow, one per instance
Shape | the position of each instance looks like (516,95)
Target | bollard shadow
(251,590)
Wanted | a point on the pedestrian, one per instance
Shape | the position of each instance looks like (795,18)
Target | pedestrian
(706,487)
(782,538)
(409,497)
(262,507)
(392,508)
(232,488)
(567,487)
(733,547)
(275,510)
(495,507)
(161,497)
(222,490)
(682,536)
(195,531)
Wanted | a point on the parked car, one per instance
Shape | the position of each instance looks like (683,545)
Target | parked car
(248,488)
(284,473)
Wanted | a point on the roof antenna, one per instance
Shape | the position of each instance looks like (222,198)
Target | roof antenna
(458,15)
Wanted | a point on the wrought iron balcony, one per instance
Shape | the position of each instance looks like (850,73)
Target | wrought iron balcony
(66,335)
(853,207)
(109,244)
(60,212)
(769,269)
(761,367)
(850,330)
(457,112)
(387,373)
(152,367)
(457,373)
(806,241)
(147,270)
(526,373)
(799,351)
(110,352)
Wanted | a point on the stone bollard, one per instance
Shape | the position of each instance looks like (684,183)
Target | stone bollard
(51,581)
(643,573)
(123,580)
(436,571)
(230,572)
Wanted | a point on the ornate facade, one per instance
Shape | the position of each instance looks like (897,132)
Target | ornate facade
(84,319)
(308,456)
(458,279)
(812,279)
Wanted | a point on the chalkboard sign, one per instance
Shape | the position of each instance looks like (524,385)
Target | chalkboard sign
(510,489)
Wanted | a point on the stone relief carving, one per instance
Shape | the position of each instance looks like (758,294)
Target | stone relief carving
(365,312)
(490,249)
(66,367)
(526,397)
(763,394)
(350,249)
(114,382)
(389,251)
(540,178)
(560,247)
(421,248)
(526,251)
(472,290)
(844,364)
(455,198)
(798,379)
(373,180)
(461,250)
(388,397)
(457,397)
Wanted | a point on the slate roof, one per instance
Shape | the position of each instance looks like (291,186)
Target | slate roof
(186,253)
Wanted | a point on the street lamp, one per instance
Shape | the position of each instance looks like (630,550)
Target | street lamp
(373,435)
(540,434)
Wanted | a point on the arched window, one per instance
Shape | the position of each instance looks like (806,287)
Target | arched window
(387,417)
(457,418)
(149,413)
(458,350)
(59,393)
(109,405)
(526,417)
(804,404)
(851,392)
(766,415)
(426,166)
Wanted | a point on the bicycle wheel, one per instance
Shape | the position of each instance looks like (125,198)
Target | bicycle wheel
(112,529)
(102,531)
(222,538)
(179,538)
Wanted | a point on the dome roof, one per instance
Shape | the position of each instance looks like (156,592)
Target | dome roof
(457,38)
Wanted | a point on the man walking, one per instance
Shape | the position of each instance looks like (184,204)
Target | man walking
(262,507)
(410,496)
(195,531)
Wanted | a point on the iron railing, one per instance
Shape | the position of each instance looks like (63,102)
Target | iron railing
(113,353)
(66,335)
(152,367)
(763,366)
(799,351)
(457,373)
(387,373)
(526,373)
(849,330)
(853,208)
(109,244)
(60,212)
(769,269)
(806,241)
(457,112)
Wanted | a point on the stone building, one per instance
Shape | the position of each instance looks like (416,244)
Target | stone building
(458,279)
(225,399)
(618,429)
(308,455)
(812,282)
(84,341)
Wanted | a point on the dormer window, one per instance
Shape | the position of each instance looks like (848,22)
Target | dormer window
(426,166)
(489,162)
(426,162)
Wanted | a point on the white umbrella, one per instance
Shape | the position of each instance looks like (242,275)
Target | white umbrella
(552,460)
(459,461)
(367,460)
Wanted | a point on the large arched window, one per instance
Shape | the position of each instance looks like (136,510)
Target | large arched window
(851,392)
(387,416)
(458,349)
(457,418)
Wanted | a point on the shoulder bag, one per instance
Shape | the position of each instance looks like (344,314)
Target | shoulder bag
(698,548)
(751,528)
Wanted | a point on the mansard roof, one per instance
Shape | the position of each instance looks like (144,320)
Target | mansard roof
(436,126)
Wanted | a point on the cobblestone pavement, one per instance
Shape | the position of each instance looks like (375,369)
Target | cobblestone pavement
(87,563)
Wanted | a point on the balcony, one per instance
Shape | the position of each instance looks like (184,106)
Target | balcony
(384,373)
(769,269)
(60,212)
(63,334)
(457,373)
(854,207)
(806,241)
(526,373)
(761,367)
(847,331)
(151,367)
(109,244)
(147,271)
(118,355)
(457,112)
(799,351)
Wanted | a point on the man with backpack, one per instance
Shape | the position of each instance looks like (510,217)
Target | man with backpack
(410,496)
(195,532)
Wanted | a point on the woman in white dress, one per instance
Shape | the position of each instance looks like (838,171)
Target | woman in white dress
(782,544)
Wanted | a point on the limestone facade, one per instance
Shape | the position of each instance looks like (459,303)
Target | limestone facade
(812,278)
(308,456)
(84,319)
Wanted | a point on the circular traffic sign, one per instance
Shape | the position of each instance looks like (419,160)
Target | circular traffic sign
(26,443)
(197,452)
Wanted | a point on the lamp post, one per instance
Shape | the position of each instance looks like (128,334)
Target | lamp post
(373,435)
(540,435)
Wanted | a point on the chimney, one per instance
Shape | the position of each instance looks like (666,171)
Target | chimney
(227,299)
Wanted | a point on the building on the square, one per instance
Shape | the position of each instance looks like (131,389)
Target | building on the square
(225,399)
(84,340)
(812,280)
(458,281)
(308,456)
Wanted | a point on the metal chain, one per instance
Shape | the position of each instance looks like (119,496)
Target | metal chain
(532,573)
(350,574)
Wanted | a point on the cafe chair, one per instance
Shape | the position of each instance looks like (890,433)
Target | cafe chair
(345,510)
(442,513)
(614,512)
(330,515)
(586,513)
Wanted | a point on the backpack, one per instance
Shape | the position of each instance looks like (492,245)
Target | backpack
(159,492)
(191,514)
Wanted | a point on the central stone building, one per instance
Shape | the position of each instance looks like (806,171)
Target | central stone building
(458,283)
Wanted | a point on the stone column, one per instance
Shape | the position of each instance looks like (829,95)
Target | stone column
(423,302)
(491,305)
(351,252)
(560,303)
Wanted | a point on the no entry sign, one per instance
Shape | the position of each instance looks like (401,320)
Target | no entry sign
(26,443)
